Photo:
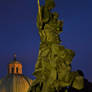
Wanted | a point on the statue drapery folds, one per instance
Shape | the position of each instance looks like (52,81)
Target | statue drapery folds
(53,68)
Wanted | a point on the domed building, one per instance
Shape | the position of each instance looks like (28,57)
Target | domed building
(15,81)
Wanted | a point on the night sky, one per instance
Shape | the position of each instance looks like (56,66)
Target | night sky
(19,34)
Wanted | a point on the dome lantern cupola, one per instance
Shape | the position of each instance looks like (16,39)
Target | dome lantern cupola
(15,67)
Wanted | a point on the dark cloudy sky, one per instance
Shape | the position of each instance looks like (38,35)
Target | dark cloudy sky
(19,34)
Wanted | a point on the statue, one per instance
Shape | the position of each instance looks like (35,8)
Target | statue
(53,68)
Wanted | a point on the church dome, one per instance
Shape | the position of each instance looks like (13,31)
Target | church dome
(15,81)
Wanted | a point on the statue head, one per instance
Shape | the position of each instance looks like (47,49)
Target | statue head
(49,4)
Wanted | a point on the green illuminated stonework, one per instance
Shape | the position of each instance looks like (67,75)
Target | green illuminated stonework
(53,68)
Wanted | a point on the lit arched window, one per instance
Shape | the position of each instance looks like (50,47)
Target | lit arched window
(12,70)
(17,70)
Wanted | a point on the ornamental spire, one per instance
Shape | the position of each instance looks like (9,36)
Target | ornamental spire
(39,10)
(14,56)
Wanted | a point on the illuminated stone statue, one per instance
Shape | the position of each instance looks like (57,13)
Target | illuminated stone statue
(53,67)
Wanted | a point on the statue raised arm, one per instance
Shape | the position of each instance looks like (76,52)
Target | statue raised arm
(44,13)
